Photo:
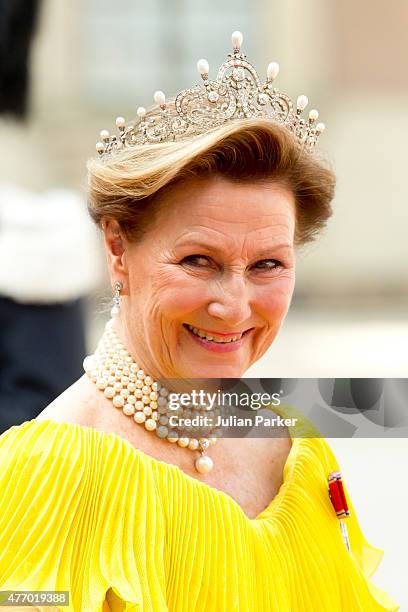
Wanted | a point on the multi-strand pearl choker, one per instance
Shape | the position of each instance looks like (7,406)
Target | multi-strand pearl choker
(119,377)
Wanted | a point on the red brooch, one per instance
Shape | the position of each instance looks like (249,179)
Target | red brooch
(339,502)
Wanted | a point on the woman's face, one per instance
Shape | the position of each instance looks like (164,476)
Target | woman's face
(208,286)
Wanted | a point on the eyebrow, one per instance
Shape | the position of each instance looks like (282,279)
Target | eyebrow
(206,246)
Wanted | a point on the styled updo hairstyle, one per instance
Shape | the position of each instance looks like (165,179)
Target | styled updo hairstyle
(130,185)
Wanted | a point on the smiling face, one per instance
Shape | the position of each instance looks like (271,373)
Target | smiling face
(208,285)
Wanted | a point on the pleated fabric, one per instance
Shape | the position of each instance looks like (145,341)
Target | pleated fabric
(84,511)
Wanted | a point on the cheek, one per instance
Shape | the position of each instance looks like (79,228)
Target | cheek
(174,294)
(272,301)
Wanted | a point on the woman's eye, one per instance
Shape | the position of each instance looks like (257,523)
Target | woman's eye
(268,264)
(197,260)
(203,261)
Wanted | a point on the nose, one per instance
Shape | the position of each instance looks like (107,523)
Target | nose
(231,302)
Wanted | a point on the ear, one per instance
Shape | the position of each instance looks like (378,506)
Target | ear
(115,246)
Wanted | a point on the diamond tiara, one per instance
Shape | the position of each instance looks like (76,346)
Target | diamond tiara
(236,93)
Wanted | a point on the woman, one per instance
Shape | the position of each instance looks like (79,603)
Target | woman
(200,234)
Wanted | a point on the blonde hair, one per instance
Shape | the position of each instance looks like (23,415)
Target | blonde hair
(130,185)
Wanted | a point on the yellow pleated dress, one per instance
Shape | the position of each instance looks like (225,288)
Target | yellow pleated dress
(84,511)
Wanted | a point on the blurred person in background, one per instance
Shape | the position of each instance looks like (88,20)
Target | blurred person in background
(47,253)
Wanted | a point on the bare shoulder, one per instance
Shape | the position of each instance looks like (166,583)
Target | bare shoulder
(77,405)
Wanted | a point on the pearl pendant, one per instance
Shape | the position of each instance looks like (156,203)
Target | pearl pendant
(204,464)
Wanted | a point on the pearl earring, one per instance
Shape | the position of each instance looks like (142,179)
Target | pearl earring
(115,310)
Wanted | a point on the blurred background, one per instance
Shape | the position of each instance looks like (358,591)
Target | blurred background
(79,64)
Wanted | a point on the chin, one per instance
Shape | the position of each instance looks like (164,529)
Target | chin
(213,370)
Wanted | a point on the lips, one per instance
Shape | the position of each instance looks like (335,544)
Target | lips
(216,338)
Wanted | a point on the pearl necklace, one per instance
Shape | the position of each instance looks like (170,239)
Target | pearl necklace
(119,377)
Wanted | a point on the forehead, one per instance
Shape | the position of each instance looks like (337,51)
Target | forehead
(216,204)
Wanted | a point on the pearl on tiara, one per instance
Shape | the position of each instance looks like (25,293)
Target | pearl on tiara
(203,67)
(237,38)
(236,93)
(302,102)
(159,98)
(272,71)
